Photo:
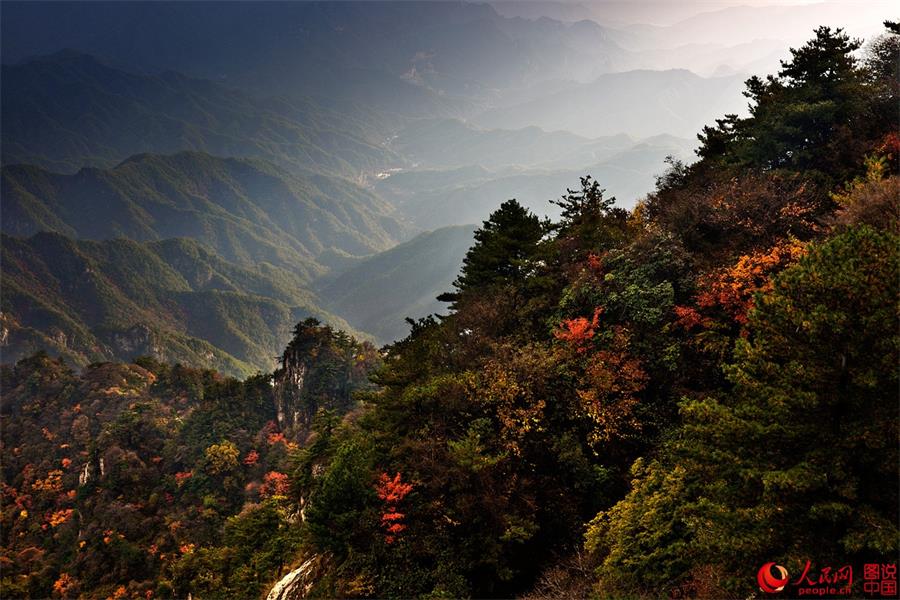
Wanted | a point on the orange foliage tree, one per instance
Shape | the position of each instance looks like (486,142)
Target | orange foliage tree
(731,290)
(275,484)
(59,517)
(614,380)
(392,492)
(252,458)
(65,586)
(514,386)
(579,331)
(53,482)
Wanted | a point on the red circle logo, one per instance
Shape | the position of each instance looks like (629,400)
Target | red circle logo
(772,578)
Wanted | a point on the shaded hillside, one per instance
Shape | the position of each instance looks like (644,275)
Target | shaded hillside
(70,110)
(248,211)
(377,294)
(174,300)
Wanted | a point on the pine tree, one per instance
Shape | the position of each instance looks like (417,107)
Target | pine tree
(503,247)
(589,222)
(802,118)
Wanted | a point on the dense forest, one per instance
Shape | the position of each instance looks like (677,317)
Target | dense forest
(617,403)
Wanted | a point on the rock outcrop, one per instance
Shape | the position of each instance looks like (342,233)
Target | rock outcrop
(298,583)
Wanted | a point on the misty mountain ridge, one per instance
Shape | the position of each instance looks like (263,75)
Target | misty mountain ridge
(69,109)
(377,294)
(640,103)
(249,211)
(414,59)
(178,301)
(436,197)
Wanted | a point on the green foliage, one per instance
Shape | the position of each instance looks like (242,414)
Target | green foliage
(795,462)
(221,458)
(320,369)
(503,247)
(254,549)
(588,221)
(556,379)
(341,506)
(812,117)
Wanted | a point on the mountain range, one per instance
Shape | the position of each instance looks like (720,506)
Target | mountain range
(190,182)
(249,211)
(641,102)
(436,197)
(209,259)
(199,259)
(69,109)
(402,57)
(178,301)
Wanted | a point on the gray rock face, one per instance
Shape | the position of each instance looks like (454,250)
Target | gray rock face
(137,339)
(290,392)
(297,583)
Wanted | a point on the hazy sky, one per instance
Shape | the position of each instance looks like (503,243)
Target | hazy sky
(667,12)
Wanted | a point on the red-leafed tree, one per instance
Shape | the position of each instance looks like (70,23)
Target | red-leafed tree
(252,458)
(275,484)
(728,294)
(392,492)
(579,331)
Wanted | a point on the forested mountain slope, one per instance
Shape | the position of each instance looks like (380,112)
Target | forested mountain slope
(248,211)
(147,464)
(174,300)
(652,402)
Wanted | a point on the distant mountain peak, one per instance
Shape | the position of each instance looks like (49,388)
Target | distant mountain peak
(64,55)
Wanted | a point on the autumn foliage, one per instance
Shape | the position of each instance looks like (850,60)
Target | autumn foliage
(705,383)
(730,291)
(251,458)
(578,331)
(392,492)
(275,484)
(614,381)
(59,517)
(64,586)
